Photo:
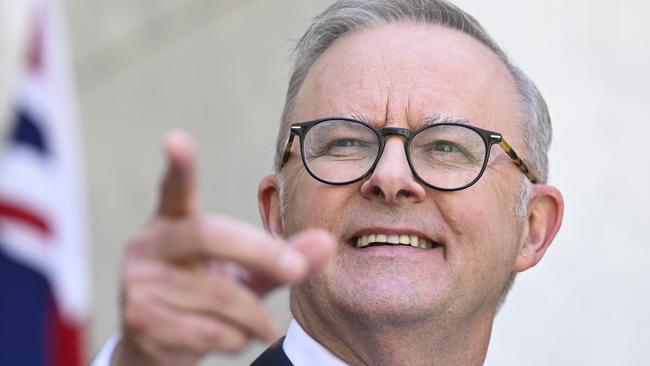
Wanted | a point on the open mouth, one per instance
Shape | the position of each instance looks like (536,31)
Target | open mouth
(415,241)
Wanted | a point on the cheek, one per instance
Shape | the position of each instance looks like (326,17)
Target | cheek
(482,227)
(314,205)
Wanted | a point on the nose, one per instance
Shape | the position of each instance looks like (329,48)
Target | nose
(392,180)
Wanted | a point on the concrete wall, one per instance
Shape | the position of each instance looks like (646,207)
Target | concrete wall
(219,70)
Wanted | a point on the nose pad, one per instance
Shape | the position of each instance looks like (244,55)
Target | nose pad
(392,179)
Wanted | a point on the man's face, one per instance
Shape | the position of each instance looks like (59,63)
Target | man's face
(397,75)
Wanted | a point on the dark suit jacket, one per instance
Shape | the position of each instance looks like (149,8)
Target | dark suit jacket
(273,356)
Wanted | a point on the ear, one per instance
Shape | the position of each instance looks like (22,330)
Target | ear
(545,212)
(268,199)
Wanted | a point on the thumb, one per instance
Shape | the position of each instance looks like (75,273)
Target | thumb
(178,195)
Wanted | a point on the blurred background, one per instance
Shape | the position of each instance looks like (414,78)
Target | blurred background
(219,69)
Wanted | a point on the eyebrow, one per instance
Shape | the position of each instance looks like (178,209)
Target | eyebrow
(426,120)
(444,118)
(357,116)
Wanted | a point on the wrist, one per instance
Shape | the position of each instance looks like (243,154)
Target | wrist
(128,352)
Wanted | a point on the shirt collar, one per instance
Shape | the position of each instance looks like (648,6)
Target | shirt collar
(303,350)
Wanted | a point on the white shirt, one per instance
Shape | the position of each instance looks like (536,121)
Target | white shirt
(300,348)
(303,350)
(104,356)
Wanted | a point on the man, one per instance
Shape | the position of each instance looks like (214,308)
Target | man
(399,211)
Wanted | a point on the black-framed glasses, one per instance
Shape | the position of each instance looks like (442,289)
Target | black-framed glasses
(446,156)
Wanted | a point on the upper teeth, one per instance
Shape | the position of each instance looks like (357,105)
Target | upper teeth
(412,240)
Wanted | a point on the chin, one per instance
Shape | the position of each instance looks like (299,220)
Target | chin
(388,299)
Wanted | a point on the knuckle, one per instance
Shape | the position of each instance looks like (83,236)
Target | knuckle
(138,274)
(235,343)
(222,337)
(129,282)
(136,318)
(169,277)
(131,274)
(137,314)
(211,337)
(223,295)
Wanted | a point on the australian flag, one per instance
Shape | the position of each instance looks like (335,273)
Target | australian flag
(43,241)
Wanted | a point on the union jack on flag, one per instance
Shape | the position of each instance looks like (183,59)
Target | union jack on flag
(44,298)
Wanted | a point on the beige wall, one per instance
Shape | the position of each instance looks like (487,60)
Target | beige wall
(219,70)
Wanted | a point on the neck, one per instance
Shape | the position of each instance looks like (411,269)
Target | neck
(360,342)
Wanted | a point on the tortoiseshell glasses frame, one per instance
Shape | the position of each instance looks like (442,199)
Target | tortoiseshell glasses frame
(489,138)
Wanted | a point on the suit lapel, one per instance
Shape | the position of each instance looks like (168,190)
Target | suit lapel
(273,356)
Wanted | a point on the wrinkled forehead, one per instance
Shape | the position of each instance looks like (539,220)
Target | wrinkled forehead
(401,74)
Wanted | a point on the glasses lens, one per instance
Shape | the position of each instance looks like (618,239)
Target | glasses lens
(339,151)
(448,156)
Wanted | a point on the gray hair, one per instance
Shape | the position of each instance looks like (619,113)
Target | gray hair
(351,15)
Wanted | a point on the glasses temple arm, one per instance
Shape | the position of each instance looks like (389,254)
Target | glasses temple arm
(517,160)
(287,150)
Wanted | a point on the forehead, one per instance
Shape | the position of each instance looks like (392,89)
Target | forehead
(400,74)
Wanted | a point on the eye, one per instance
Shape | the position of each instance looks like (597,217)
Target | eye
(345,142)
(349,148)
(445,146)
(450,152)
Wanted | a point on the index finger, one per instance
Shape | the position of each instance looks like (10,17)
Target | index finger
(222,238)
(178,192)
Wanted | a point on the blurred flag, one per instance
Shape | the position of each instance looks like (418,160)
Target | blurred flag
(12,43)
(43,243)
